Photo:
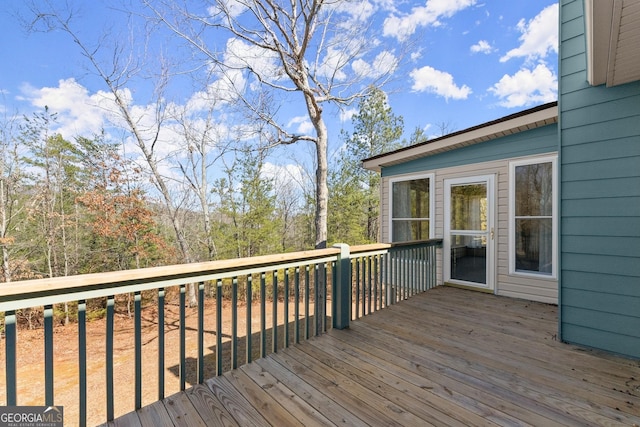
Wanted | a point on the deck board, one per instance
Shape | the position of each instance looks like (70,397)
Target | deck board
(446,357)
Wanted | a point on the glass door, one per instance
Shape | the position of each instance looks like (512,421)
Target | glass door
(469,231)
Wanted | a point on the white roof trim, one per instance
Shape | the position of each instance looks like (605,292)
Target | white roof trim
(613,34)
(474,135)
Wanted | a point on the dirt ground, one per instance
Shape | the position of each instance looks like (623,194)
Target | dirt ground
(30,358)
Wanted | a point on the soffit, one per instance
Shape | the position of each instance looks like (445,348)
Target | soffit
(530,119)
(613,40)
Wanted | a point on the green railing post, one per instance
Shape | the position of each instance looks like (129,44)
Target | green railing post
(249,318)
(274,311)
(183,337)
(138,348)
(200,363)
(10,357)
(48,355)
(219,327)
(234,323)
(342,290)
(285,314)
(111,300)
(161,294)
(82,363)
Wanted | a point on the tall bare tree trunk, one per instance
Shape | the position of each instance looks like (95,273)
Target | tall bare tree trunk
(6,272)
(322,191)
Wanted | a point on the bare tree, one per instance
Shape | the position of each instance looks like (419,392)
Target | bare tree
(10,188)
(204,147)
(305,47)
(116,74)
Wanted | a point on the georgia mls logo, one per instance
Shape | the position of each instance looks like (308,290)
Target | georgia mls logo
(31,416)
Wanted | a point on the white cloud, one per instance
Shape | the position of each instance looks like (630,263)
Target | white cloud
(240,55)
(428,79)
(384,63)
(539,36)
(359,11)
(304,125)
(403,27)
(284,175)
(346,115)
(332,63)
(527,87)
(235,8)
(78,112)
(482,46)
(219,93)
(416,55)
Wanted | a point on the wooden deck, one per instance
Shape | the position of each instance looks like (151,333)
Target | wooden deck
(447,357)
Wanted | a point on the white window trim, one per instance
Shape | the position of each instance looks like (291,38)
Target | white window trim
(431,178)
(553,159)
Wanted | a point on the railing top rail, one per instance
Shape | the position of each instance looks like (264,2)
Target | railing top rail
(429,242)
(29,293)
(180,272)
(358,249)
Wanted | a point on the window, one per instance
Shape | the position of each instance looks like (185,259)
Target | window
(533,217)
(411,202)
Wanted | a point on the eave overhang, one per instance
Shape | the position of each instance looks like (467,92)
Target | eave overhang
(613,41)
(542,115)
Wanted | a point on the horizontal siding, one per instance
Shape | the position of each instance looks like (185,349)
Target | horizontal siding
(623,247)
(571,9)
(574,99)
(600,201)
(593,282)
(615,207)
(573,64)
(625,146)
(572,29)
(601,169)
(573,83)
(535,141)
(384,210)
(602,189)
(602,264)
(621,112)
(601,305)
(590,224)
(610,341)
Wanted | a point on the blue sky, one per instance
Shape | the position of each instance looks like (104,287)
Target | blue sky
(471,62)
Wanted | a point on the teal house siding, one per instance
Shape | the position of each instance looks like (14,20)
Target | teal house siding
(599,200)
(536,141)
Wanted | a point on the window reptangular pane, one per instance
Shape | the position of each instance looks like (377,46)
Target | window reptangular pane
(407,230)
(534,190)
(469,207)
(411,199)
(534,245)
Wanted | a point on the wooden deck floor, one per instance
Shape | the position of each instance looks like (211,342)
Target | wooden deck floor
(447,357)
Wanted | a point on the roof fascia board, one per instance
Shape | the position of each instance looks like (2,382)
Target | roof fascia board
(474,136)
(598,25)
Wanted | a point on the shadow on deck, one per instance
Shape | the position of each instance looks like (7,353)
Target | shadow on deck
(446,357)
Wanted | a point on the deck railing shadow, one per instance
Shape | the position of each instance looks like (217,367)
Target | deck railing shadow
(210,362)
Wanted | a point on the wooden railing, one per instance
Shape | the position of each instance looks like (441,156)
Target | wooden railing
(297,296)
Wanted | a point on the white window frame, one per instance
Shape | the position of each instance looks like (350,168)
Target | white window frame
(431,219)
(553,159)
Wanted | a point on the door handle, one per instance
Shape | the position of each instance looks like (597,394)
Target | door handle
(492,233)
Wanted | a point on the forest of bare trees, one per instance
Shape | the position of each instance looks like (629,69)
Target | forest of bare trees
(177,180)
